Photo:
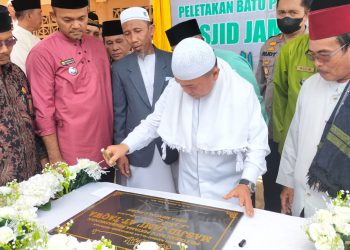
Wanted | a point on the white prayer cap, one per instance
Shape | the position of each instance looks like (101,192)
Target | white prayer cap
(192,58)
(134,13)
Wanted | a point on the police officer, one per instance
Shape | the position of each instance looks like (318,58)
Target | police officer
(291,20)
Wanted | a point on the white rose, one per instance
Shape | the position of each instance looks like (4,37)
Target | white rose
(341,225)
(74,170)
(323,246)
(323,233)
(336,244)
(91,168)
(86,245)
(343,212)
(5,190)
(84,163)
(7,212)
(6,235)
(62,242)
(147,246)
(323,215)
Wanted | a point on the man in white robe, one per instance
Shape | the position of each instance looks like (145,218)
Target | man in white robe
(329,48)
(213,117)
(28,13)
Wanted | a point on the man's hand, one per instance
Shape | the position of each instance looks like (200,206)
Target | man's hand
(123,165)
(44,161)
(52,148)
(242,192)
(287,196)
(56,158)
(114,152)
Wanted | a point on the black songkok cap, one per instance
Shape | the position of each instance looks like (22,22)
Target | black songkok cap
(93,19)
(112,28)
(183,30)
(20,5)
(5,19)
(69,4)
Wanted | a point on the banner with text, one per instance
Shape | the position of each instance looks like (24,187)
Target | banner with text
(241,26)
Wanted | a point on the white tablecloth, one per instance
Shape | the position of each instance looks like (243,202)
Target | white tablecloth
(264,231)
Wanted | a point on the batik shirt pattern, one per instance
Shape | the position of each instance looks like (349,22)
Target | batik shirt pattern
(19,157)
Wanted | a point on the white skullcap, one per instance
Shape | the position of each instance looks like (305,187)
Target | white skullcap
(192,58)
(134,13)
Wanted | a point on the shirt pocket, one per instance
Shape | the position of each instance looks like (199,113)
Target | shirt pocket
(268,64)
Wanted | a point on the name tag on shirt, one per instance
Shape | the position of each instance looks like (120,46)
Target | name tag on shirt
(67,61)
(305,69)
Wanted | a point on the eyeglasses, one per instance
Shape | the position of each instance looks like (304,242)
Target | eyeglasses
(323,56)
(8,42)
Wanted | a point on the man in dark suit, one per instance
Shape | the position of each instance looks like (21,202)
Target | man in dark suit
(138,81)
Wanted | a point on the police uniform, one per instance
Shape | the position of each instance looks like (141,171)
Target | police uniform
(264,75)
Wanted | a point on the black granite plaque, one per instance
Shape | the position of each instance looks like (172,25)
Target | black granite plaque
(129,218)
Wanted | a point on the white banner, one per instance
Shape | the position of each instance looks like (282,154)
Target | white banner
(241,26)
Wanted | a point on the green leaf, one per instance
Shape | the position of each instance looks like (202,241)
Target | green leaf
(46,207)
(82,179)
(3,222)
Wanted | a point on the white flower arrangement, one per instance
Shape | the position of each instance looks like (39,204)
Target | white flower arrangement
(39,189)
(150,245)
(85,171)
(182,246)
(92,168)
(147,245)
(17,232)
(19,203)
(330,229)
(67,242)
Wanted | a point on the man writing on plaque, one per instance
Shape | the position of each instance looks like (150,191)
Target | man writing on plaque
(213,117)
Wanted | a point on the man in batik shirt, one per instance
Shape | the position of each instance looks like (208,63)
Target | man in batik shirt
(20,150)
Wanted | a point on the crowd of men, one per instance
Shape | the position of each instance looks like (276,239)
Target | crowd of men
(196,121)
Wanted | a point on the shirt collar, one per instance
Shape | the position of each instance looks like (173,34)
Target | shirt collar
(21,29)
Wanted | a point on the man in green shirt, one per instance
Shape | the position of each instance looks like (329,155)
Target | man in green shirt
(291,19)
(190,28)
(292,68)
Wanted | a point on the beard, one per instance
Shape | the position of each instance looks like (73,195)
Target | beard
(141,54)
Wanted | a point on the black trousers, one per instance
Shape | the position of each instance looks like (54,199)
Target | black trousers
(272,190)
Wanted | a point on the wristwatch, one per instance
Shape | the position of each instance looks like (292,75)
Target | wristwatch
(250,185)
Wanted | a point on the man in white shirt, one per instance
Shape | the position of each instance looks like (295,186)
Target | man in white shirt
(305,187)
(28,13)
(213,117)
